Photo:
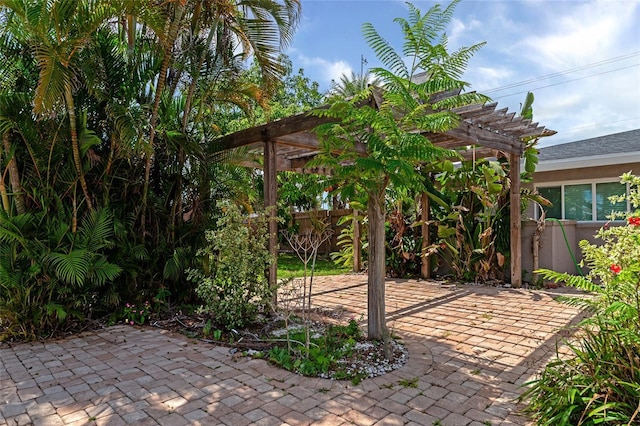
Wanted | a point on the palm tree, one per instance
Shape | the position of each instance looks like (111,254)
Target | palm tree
(392,130)
(57,32)
(214,31)
(349,86)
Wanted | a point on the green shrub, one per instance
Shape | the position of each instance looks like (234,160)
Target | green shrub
(600,382)
(49,274)
(231,279)
(322,356)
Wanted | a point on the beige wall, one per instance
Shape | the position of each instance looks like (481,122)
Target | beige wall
(554,253)
(601,172)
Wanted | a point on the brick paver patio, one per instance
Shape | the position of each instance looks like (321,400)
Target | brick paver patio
(470,350)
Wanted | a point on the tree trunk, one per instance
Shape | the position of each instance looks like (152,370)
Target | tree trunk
(375,292)
(75,146)
(162,76)
(14,176)
(425,268)
(537,235)
(516,224)
(357,243)
(6,204)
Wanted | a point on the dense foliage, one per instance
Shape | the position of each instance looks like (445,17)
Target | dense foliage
(230,278)
(109,112)
(600,382)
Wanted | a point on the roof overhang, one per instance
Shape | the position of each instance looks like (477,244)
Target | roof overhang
(591,161)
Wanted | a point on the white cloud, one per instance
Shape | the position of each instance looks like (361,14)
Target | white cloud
(459,29)
(591,31)
(325,69)
(487,77)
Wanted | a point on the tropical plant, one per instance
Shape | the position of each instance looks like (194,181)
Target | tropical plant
(346,239)
(125,96)
(472,219)
(403,240)
(599,382)
(230,278)
(57,32)
(351,85)
(49,275)
(392,130)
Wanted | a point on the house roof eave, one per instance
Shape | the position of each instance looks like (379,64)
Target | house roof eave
(591,161)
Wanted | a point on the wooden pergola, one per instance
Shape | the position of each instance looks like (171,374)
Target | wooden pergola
(290,143)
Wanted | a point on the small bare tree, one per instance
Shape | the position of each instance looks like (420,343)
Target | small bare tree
(537,243)
(306,245)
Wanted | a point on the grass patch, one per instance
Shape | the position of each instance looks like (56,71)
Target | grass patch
(290,266)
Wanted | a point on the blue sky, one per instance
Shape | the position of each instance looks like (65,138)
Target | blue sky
(580,58)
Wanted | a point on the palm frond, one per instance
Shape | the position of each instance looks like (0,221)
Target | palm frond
(72,267)
(572,280)
(96,229)
(102,271)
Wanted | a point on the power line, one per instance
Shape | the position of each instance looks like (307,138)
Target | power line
(565,82)
(561,73)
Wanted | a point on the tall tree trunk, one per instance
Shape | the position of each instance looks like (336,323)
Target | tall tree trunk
(75,146)
(425,265)
(6,204)
(14,176)
(162,76)
(375,292)
(131,31)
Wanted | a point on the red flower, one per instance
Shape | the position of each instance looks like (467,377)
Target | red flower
(616,268)
(634,221)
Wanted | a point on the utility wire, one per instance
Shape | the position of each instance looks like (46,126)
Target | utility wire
(561,73)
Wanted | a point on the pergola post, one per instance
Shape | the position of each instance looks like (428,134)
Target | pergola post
(270,198)
(425,268)
(357,243)
(516,221)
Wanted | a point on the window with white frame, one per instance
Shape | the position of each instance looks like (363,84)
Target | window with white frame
(583,201)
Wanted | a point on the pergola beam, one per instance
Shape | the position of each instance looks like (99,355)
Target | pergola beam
(469,134)
(481,126)
(270,200)
(272,131)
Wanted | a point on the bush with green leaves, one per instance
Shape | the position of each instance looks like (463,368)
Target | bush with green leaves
(50,274)
(600,382)
(231,278)
(325,353)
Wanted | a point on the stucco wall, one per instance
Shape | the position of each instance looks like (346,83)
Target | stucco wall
(554,251)
(601,172)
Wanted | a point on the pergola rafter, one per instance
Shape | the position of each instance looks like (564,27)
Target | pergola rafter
(483,131)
